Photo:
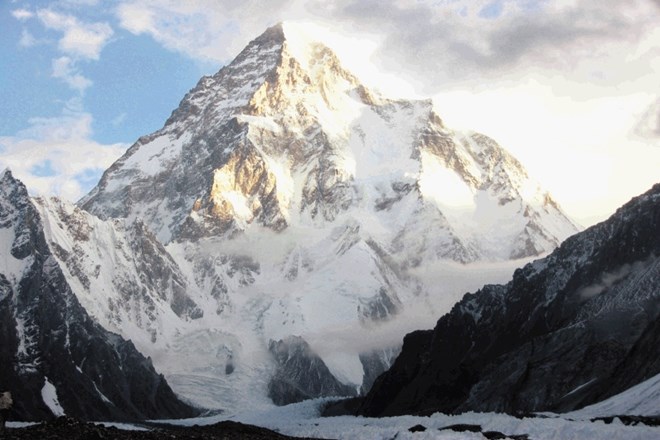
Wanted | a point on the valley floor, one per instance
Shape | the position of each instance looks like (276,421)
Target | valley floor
(302,421)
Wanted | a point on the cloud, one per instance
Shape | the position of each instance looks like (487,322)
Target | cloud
(57,156)
(609,279)
(64,68)
(79,40)
(208,30)
(648,127)
(436,44)
(27,39)
(22,14)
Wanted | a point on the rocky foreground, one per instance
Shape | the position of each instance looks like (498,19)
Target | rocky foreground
(72,429)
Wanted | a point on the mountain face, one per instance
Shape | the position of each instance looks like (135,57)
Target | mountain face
(569,330)
(283,201)
(56,359)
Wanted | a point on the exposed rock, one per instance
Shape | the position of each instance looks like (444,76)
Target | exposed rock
(568,330)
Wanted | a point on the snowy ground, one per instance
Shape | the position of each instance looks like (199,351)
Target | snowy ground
(302,420)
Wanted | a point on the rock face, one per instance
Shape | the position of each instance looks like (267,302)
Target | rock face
(569,330)
(284,199)
(56,359)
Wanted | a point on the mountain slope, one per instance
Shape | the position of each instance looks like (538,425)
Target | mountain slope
(569,330)
(55,358)
(294,202)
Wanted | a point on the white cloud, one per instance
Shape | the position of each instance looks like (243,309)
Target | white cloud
(212,30)
(27,39)
(64,68)
(57,156)
(22,14)
(80,40)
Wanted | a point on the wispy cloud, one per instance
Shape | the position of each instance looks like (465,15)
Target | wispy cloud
(79,39)
(648,127)
(22,14)
(27,39)
(65,69)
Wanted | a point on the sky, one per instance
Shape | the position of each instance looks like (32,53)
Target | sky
(570,87)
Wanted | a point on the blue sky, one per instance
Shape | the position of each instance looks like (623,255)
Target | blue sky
(135,82)
(569,86)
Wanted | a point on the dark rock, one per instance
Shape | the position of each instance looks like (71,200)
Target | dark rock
(461,427)
(494,435)
(417,428)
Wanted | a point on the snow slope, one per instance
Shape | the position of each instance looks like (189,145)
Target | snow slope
(643,399)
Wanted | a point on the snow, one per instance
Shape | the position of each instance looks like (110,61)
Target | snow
(302,420)
(11,267)
(643,399)
(49,396)
(445,186)
(578,388)
(152,157)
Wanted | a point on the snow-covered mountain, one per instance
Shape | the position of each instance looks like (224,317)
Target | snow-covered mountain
(55,359)
(284,138)
(569,330)
(283,201)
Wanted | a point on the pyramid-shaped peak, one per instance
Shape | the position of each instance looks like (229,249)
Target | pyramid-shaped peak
(289,40)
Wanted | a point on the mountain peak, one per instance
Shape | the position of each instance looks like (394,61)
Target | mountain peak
(284,135)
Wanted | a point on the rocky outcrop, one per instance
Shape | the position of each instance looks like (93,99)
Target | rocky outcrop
(568,330)
(301,374)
